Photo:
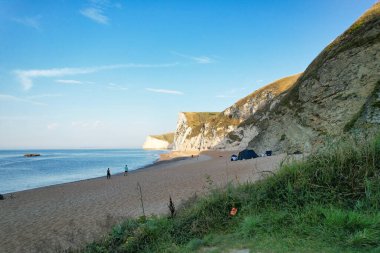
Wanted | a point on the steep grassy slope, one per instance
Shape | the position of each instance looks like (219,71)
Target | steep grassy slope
(169,137)
(333,92)
(197,120)
(329,202)
(338,93)
(243,108)
(204,130)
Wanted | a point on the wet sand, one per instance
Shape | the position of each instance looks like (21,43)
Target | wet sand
(59,217)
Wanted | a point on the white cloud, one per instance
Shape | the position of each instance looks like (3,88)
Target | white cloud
(197,59)
(44,96)
(87,124)
(113,86)
(96,10)
(52,126)
(174,92)
(6,97)
(68,81)
(33,22)
(26,76)
(203,59)
(95,14)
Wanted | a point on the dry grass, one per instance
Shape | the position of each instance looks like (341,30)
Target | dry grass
(169,137)
(276,88)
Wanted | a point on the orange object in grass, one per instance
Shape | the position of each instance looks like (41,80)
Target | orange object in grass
(233,211)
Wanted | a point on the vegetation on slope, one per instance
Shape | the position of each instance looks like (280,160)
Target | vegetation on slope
(219,122)
(195,118)
(168,137)
(276,88)
(198,120)
(328,202)
(364,32)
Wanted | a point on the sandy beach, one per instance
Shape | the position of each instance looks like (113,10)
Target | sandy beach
(59,217)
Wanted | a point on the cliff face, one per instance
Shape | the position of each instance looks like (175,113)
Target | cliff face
(164,141)
(201,130)
(337,94)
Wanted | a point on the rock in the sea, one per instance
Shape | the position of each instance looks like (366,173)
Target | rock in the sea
(1,197)
(31,155)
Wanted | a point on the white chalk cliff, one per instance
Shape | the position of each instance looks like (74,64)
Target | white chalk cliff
(225,130)
(164,141)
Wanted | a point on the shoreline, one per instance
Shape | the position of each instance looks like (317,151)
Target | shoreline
(157,162)
(70,215)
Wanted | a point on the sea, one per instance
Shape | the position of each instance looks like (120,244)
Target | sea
(18,173)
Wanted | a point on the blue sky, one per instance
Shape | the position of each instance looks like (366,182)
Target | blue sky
(104,73)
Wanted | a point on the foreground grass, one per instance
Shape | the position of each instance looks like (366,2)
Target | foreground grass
(327,203)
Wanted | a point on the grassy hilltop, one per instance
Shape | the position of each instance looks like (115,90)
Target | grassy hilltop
(168,137)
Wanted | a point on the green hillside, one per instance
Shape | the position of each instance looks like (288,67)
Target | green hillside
(328,202)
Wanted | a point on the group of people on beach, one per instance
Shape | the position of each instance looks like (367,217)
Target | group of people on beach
(125,172)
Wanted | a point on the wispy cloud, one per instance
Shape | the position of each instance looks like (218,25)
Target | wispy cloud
(113,86)
(95,14)
(44,96)
(96,9)
(259,81)
(33,22)
(26,76)
(52,126)
(87,124)
(7,97)
(68,81)
(197,59)
(174,92)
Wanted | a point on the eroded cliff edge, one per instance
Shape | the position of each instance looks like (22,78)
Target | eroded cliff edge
(337,95)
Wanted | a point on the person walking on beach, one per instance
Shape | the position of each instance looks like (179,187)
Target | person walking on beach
(126,170)
(108,173)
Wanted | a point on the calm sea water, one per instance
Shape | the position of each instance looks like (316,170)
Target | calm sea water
(19,173)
